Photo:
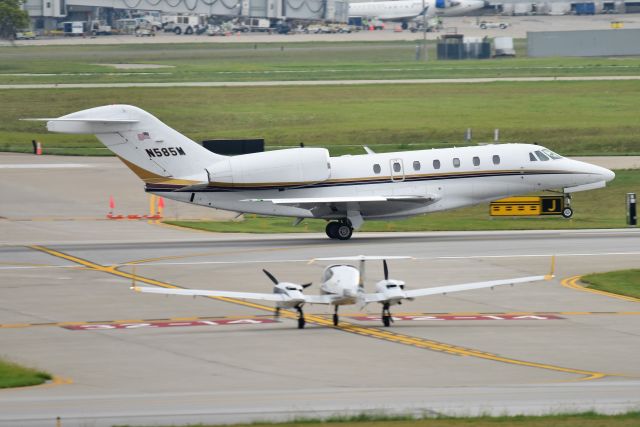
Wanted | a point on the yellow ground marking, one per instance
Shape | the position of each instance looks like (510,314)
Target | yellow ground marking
(53,382)
(366,331)
(572,283)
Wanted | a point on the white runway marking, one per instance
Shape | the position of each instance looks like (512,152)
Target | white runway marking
(45,166)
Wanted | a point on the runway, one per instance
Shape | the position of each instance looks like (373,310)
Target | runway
(575,350)
(120,357)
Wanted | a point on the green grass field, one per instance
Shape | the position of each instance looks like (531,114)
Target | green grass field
(602,208)
(276,61)
(588,419)
(623,282)
(14,375)
(572,118)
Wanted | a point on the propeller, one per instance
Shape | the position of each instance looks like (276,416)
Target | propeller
(271,276)
(275,281)
(386,269)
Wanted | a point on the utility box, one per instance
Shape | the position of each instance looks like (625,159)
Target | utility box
(632,212)
(503,46)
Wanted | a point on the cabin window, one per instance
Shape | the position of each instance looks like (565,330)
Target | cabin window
(397,167)
(436,164)
(416,166)
(543,157)
(476,161)
(456,162)
(496,159)
(377,168)
(532,157)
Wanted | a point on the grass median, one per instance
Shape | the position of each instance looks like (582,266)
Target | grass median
(14,375)
(622,282)
(587,419)
(602,208)
(571,118)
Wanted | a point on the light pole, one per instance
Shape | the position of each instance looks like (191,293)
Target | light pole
(424,30)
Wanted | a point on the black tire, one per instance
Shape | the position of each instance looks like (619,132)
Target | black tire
(332,229)
(177,31)
(405,25)
(336,320)
(386,321)
(503,26)
(301,323)
(567,213)
(344,232)
(483,27)
(189,31)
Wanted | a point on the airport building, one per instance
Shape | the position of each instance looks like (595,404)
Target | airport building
(46,14)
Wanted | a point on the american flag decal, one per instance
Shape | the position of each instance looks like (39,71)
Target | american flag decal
(144,135)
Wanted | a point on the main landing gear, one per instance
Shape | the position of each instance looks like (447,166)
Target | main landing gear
(336,319)
(340,230)
(386,315)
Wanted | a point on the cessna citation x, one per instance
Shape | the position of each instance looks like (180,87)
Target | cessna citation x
(343,284)
(308,183)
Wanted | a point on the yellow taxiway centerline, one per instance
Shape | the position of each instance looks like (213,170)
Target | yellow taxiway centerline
(388,336)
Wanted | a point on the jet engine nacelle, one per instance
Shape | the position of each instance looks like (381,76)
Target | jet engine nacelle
(272,168)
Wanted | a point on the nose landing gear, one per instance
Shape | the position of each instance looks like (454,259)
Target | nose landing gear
(301,321)
(387,319)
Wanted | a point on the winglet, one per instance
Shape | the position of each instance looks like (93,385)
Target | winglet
(551,274)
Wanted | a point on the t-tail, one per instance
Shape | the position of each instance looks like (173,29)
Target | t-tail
(158,154)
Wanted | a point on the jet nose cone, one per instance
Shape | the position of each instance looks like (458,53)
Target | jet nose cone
(607,174)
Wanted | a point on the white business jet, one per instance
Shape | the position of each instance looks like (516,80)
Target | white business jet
(343,284)
(308,183)
(406,10)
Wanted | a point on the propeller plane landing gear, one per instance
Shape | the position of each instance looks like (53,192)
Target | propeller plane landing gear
(386,316)
(336,319)
(340,230)
(301,321)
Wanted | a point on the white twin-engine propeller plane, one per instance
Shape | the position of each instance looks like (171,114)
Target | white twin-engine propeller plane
(308,183)
(343,284)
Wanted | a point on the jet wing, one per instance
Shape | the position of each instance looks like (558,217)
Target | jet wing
(469,286)
(346,199)
(205,293)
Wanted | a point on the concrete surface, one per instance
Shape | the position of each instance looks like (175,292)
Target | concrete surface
(145,374)
(519,26)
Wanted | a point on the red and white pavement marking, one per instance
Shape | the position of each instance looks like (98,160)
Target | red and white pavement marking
(470,317)
(143,325)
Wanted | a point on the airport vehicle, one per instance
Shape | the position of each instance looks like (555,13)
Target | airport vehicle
(25,35)
(405,10)
(308,183)
(343,284)
(75,28)
(184,24)
(484,25)
(99,28)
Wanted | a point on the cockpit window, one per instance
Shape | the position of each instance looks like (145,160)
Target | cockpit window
(542,156)
(291,288)
(532,157)
(551,154)
(391,286)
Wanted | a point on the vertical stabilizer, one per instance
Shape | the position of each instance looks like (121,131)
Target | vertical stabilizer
(152,150)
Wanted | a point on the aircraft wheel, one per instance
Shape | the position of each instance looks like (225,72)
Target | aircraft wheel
(386,320)
(405,25)
(344,232)
(336,320)
(567,213)
(332,229)
(301,323)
